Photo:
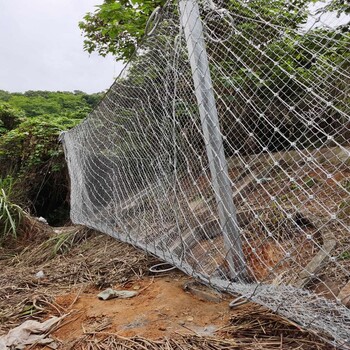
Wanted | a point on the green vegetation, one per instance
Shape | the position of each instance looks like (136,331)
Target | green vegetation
(344,209)
(345,183)
(271,92)
(10,117)
(10,213)
(310,181)
(117,27)
(30,124)
(64,241)
(345,255)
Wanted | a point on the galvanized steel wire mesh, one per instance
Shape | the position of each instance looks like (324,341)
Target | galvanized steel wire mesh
(272,82)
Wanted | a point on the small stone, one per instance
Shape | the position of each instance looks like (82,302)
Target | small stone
(203,292)
(344,295)
(189,318)
(40,274)
(43,220)
(137,287)
(163,329)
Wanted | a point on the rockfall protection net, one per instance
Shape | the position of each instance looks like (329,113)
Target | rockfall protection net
(223,148)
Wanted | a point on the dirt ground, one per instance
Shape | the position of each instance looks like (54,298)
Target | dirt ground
(78,263)
(160,309)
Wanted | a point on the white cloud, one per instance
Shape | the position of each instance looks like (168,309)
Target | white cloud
(41,48)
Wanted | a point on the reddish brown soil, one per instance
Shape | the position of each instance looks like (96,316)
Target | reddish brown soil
(161,308)
(265,258)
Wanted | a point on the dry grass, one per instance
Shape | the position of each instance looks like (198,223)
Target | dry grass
(75,258)
(251,327)
(80,258)
(249,335)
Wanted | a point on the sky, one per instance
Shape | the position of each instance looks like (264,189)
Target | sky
(325,19)
(41,48)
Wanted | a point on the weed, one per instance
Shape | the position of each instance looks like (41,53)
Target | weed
(345,255)
(344,209)
(346,184)
(63,242)
(28,310)
(284,197)
(294,186)
(310,181)
(10,214)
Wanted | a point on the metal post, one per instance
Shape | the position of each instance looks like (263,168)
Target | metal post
(192,25)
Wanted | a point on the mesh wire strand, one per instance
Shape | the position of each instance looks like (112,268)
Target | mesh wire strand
(280,77)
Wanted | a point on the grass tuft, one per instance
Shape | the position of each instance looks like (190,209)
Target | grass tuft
(10,214)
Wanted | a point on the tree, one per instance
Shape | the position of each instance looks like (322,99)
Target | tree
(30,153)
(278,64)
(117,26)
(10,117)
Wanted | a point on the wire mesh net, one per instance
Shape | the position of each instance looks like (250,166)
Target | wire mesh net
(223,148)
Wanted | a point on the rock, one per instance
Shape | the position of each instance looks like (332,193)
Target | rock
(203,292)
(317,262)
(207,331)
(112,294)
(344,295)
(43,220)
(40,274)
